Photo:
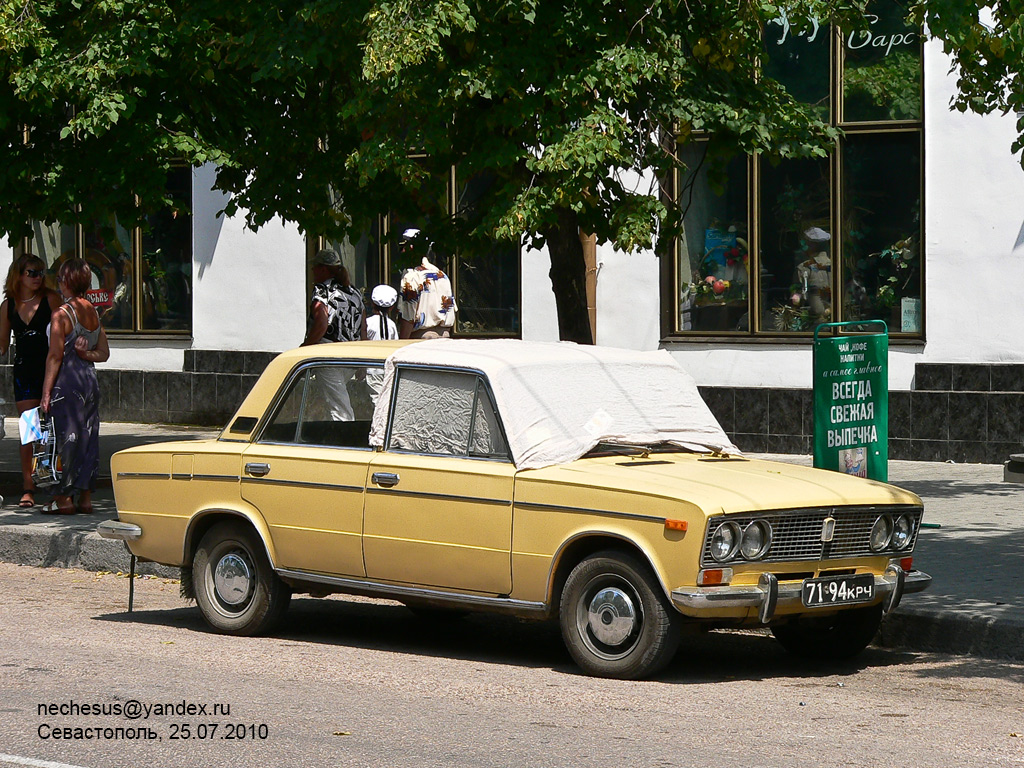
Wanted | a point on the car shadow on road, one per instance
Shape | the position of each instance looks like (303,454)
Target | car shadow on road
(704,657)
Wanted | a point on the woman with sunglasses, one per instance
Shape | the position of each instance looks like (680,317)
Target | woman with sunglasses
(26,310)
(71,392)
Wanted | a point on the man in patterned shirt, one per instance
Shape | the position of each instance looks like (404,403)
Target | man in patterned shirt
(337,312)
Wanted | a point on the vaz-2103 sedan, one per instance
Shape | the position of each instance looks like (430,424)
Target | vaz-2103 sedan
(538,479)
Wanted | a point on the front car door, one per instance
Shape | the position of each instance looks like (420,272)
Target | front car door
(438,506)
(306,471)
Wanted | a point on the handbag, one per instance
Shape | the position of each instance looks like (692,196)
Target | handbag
(46,461)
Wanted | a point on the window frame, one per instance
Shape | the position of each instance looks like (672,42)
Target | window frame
(670,262)
(382,257)
(302,371)
(481,381)
(137,283)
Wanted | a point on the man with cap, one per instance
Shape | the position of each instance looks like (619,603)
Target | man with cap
(336,312)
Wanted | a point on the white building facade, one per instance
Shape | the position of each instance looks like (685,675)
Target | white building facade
(956,359)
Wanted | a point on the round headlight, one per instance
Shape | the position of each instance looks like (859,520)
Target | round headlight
(757,537)
(725,541)
(881,533)
(902,532)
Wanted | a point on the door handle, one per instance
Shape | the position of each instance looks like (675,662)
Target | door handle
(257,468)
(385,479)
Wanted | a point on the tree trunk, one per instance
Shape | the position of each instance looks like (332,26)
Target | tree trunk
(569,278)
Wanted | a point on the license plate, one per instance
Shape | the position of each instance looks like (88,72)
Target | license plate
(839,590)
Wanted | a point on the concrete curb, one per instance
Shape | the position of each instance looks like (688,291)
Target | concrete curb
(23,545)
(958,633)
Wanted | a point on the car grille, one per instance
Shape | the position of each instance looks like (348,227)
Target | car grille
(796,533)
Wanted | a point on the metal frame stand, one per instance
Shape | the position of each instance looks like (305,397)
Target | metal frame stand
(131,585)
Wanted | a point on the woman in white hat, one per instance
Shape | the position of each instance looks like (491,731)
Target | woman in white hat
(379,325)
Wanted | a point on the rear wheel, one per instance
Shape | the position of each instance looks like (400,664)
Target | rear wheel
(615,620)
(830,638)
(237,591)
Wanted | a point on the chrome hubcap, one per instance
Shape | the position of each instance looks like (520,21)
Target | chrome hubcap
(611,616)
(233,579)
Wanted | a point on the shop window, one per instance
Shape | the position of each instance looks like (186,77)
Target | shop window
(713,247)
(821,240)
(485,275)
(142,278)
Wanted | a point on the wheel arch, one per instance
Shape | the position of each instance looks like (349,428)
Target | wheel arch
(579,547)
(203,521)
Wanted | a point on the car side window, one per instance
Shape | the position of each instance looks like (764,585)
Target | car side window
(326,404)
(449,413)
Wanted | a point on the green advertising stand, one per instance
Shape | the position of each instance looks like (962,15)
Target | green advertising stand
(851,400)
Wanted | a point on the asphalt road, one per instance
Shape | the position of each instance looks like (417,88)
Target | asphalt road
(366,683)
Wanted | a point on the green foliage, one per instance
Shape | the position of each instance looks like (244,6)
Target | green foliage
(985,40)
(311,108)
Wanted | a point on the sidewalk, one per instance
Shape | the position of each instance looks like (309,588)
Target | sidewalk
(975,604)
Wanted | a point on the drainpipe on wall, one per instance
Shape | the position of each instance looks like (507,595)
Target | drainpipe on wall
(589,243)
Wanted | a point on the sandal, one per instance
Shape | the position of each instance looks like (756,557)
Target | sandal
(54,509)
(28,498)
(85,509)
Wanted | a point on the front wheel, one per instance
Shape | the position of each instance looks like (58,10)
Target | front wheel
(237,591)
(615,620)
(830,638)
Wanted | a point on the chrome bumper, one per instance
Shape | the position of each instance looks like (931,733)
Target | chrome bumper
(115,529)
(768,595)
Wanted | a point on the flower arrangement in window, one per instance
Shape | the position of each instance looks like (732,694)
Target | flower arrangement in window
(722,276)
(881,279)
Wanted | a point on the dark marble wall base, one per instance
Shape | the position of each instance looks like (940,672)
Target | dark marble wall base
(965,427)
(206,393)
(958,412)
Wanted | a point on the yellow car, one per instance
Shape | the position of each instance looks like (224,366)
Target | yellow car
(538,479)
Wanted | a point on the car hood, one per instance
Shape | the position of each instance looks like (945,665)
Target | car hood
(721,484)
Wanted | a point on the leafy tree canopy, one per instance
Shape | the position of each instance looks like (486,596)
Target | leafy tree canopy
(985,39)
(328,112)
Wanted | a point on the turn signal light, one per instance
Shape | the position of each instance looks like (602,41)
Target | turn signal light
(712,577)
(675,525)
(907,563)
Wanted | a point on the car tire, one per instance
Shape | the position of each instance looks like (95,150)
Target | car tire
(830,638)
(237,591)
(615,619)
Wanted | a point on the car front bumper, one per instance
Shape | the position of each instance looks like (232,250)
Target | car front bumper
(769,595)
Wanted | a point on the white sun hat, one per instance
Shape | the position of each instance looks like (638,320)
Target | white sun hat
(384,296)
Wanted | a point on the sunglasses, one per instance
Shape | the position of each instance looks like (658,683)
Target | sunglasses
(34,272)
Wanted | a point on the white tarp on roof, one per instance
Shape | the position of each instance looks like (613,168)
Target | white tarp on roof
(557,400)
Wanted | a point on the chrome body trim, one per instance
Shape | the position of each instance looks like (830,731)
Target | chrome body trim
(400,591)
(115,529)
(585,511)
(694,600)
(227,478)
(439,496)
(301,484)
(143,476)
